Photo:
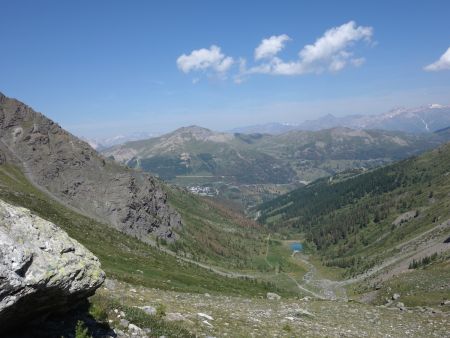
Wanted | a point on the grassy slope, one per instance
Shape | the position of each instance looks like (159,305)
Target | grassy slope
(122,256)
(214,234)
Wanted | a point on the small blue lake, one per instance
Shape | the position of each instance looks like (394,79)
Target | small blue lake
(297,246)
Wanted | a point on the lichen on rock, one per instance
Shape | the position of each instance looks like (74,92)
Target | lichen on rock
(42,269)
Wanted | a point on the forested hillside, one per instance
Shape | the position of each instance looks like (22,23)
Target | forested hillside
(355,218)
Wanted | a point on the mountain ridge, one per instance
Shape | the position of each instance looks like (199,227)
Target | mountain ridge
(423,119)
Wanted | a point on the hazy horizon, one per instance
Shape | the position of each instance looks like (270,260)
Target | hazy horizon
(106,68)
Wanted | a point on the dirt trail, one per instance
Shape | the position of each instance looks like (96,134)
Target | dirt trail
(212,268)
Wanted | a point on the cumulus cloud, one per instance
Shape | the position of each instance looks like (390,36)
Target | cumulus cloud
(442,64)
(204,59)
(331,52)
(334,42)
(271,46)
(328,53)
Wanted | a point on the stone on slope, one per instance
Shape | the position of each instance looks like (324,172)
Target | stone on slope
(150,310)
(42,270)
(273,296)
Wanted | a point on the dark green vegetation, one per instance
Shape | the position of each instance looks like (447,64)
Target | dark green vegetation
(246,169)
(415,264)
(356,222)
(122,257)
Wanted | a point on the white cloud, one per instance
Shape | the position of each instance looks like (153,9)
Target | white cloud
(328,53)
(334,41)
(205,59)
(271,46)
(332,52)
(442,64)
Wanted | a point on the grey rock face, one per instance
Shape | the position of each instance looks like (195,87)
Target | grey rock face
(73,172)
(42,270)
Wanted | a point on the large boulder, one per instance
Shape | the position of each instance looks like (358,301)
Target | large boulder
(42,270)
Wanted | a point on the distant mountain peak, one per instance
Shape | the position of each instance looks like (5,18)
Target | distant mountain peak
(192,129)
(424,119)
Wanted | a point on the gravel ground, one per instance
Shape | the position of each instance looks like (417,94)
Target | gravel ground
(225,316)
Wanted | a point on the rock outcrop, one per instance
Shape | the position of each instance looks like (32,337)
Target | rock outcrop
(75,174)
(42,270)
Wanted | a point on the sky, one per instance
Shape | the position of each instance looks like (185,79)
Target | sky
(103,68)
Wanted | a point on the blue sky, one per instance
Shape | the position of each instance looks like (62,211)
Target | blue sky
(101,68)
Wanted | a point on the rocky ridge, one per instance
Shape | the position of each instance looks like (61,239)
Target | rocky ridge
(75,174)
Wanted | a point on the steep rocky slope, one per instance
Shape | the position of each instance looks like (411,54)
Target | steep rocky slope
(42,270)
(71,171)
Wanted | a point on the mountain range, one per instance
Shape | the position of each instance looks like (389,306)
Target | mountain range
(248,169)
(265,158)
(423,119)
